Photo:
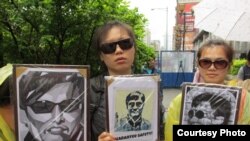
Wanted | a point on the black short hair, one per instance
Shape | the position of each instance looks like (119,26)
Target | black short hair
(132,97)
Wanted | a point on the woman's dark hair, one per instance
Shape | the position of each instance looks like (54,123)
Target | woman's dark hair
(102,31)
(217,42)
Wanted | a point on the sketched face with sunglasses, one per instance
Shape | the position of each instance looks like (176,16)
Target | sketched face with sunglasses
(54,108)
(117,51)
(209,109)
(57,113)
(213,65)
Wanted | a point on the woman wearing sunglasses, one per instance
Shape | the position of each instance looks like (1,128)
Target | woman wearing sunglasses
(214,61)
(115,45)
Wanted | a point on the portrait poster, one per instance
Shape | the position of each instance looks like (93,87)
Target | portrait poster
(209,104)
(51,102)
(132,107)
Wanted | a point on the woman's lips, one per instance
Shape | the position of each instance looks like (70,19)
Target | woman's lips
(120,60)
(212,75)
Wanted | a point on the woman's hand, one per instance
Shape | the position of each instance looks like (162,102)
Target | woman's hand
(105,136)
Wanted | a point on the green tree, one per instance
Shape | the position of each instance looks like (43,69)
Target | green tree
(60,32)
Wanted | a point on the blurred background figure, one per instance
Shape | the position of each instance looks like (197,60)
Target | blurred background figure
(150,67)
(244,71)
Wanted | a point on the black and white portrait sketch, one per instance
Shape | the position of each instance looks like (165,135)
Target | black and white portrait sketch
(209,105)
(133,107)
(133,121)
(208,109)
(53,105)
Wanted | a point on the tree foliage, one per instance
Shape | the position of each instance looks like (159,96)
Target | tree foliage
(60,31)
(237,63)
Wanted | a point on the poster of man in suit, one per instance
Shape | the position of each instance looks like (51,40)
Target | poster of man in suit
(133,107)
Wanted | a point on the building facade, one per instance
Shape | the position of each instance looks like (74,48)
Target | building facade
(184,31)
(186,37)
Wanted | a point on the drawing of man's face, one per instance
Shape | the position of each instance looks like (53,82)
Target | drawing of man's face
(208,109)
(56,115)
(135,104)
(201,114)
(205,106)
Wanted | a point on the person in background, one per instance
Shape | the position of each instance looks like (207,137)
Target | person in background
(150,67)
(244,71)
(7,126)
(214,61)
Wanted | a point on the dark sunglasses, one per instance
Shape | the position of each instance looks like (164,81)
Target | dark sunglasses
(108,48)
(47,106)
(218,64)
(199,114)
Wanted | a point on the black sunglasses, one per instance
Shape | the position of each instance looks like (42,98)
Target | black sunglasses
(108,48)
(199,114)
(47,106)
(218,64)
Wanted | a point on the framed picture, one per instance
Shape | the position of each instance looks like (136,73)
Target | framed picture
(51,102)
(209,104)
(132,107)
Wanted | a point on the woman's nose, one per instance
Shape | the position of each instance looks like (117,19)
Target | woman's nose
(118,49)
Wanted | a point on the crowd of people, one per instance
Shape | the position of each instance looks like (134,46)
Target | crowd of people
(115,44)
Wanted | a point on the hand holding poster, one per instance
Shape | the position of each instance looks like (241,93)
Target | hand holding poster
(51,102)
(132,107)
(209,104)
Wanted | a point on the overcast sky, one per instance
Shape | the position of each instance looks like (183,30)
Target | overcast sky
(164,11)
